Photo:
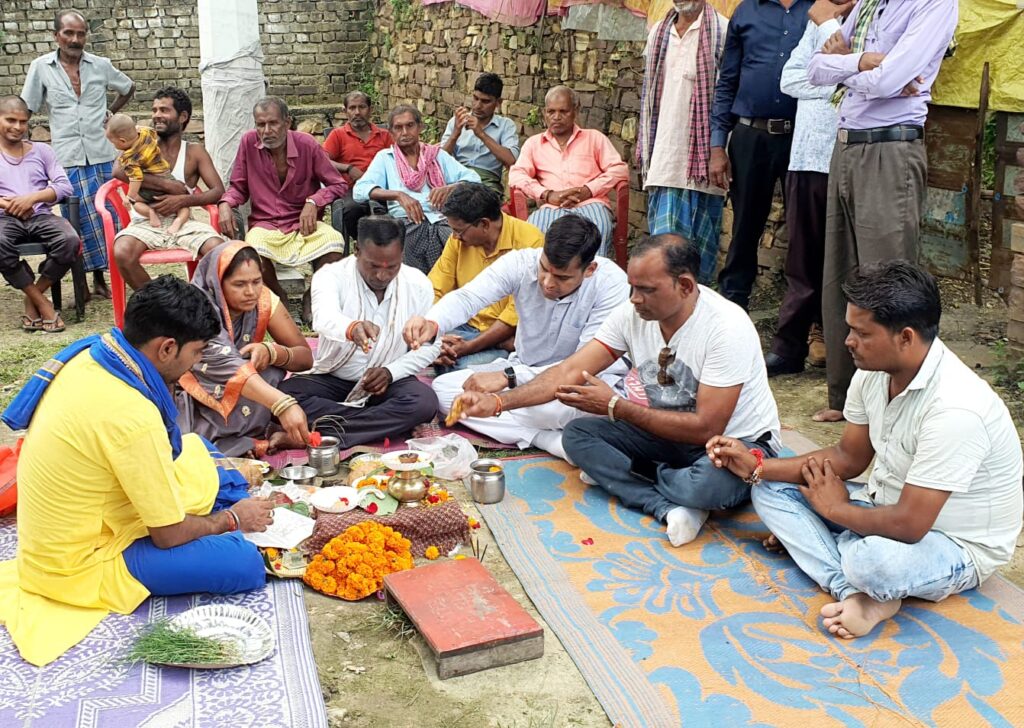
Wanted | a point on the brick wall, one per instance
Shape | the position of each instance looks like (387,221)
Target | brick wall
(313,49)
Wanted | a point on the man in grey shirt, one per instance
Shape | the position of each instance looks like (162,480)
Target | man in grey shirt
(563,293)
(73,84)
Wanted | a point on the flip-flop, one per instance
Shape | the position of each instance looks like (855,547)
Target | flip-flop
(52,326)
(31,324)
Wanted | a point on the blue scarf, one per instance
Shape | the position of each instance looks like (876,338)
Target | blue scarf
(113,352)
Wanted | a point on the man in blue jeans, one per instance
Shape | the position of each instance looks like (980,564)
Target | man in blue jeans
(941,510)
(699,358)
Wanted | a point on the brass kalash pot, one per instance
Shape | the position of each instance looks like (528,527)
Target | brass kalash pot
(408,485)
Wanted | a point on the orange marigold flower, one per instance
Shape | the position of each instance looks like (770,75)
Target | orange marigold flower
(431,552)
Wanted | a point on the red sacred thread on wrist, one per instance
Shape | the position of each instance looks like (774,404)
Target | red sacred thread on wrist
(498,409)
(759,454)
(348,331)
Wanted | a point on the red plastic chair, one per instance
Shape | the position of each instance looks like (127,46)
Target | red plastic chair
(109,193)
(620,233)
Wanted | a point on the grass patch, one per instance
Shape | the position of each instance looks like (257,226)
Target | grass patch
(393,621)
(19,360)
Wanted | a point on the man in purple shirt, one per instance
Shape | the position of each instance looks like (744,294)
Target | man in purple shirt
(885,60)
(31,180)
(289,180)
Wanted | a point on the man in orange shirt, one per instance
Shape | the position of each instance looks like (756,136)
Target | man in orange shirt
(569,170)
(351,148)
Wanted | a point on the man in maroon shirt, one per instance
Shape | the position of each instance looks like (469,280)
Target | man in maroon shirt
(351,148)
(289,180)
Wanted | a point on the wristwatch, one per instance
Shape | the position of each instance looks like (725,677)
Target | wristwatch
(311,201)
(510,375)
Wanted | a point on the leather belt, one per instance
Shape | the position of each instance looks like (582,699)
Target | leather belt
(772,126)
(898,133)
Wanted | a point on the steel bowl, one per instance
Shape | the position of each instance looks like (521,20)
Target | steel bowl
(485,485)
(299,474)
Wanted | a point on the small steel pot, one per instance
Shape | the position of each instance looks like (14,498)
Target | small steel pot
(484,485)
(299,474)
(324,458)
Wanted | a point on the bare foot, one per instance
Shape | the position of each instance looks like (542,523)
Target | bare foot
(772,545)
(280,441)
(857,615)
(99,285)
(828,415)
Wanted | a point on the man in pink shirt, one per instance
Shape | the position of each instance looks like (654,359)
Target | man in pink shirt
(568,170)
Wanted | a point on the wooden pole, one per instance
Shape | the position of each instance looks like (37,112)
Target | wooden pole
(974,208)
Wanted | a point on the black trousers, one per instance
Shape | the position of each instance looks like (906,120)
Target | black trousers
(56,235)
(758,160)
(346,214)
(806,204)
(406,403)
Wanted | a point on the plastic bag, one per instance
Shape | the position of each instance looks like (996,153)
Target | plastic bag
(452,454)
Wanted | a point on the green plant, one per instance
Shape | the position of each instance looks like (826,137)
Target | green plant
(401,11)
(394,621)
(431,130)
(1008,369)
(988,154)
(533,117)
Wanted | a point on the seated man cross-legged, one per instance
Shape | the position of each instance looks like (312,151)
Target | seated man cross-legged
(363,385)
(481,235)
(114,504)
(563,294)
(699,358)
(941,510)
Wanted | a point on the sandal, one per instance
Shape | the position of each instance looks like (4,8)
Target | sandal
(52,326)
(31,324)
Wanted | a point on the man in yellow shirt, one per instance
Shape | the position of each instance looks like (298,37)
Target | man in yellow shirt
(481,233)
(113,503)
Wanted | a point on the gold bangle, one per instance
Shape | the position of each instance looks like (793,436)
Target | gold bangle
(282,404)
(271,351)
(288,352)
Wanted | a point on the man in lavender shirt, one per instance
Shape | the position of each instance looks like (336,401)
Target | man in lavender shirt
(885,59)
(31,180)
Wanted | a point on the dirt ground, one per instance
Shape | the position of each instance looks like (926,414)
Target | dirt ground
(374,672)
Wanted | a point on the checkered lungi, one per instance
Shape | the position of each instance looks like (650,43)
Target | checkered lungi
(294,248)
(596,212)
(424,243)
(85,183)
(697,216)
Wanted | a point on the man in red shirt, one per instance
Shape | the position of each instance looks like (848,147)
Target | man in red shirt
(351,148)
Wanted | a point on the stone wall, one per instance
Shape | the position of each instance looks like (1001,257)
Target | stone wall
(313,49)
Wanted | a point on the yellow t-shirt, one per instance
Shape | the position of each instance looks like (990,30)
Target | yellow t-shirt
(95,472)
(459,264)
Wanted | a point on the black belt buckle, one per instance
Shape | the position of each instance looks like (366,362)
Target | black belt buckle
(779,126)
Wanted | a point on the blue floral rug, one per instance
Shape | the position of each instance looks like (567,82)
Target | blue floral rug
(91,686)
(722,633)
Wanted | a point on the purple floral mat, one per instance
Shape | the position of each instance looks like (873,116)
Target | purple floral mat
(91,686)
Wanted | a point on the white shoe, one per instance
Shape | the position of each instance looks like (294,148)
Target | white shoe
(684,524)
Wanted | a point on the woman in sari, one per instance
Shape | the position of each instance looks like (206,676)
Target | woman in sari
(230,397)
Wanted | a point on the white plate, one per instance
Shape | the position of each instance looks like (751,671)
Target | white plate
(329,500)
(392,460)
(230,623)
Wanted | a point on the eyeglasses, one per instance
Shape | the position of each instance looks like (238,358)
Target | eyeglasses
(460,233)
(665,358)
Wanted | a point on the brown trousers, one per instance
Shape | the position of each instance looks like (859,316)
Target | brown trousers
(876,196)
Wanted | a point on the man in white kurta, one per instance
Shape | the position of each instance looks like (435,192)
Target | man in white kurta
(562,293)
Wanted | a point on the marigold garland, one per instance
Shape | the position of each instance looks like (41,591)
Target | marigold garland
(353,565)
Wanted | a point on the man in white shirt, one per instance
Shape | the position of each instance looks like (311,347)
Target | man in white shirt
(699,358)
(674,137)
(363,384)
(941,510)
(563,293)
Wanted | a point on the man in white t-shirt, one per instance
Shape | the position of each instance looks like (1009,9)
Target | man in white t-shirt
(699,358)
(942,508)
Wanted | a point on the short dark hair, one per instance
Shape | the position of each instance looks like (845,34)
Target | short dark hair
(246,253)
(898,294)
(472,202)
(58,18)
(169,306)
(277,102)
(365,96)
(490,84)
(405,109)
(180,100)
(681,255)
(380,230)
(571,237)
(16,101)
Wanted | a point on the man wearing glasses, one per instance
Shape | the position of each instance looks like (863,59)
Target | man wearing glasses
(481,234)
(699,358)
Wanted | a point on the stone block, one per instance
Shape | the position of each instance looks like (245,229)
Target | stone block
(1017,237)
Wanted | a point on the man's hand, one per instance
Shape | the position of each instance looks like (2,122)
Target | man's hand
(486,382)
(412,208)
(592,397)
(462,117)
(257,354)
(377,380)
(869,61)
(168,205)
(438,195)
(836,45)
(824,490)
(825,10)
(293,420)
(731,454)
(451,350)
(254,514)
(911,89)
(354,172)
(476,404)
(363,334)
(227,220)
(418,331)
(307,218)
(4,202)
(719,168)
(20,206)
